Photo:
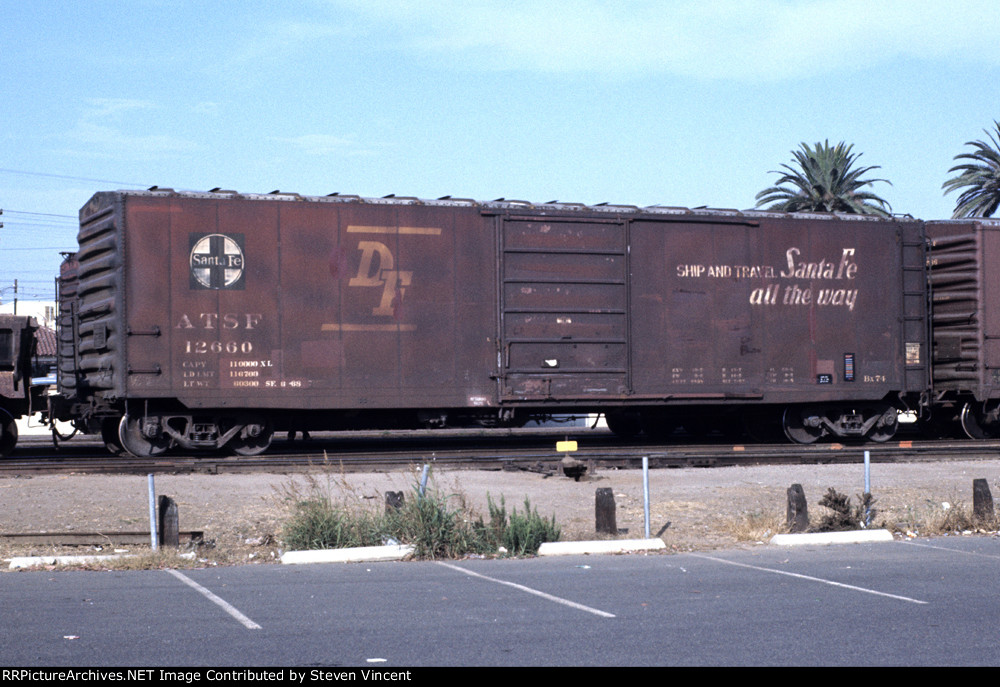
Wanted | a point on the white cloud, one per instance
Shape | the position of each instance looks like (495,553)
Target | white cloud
(207,107)
(104,130)
(763,39)
(113,108)
(323,144)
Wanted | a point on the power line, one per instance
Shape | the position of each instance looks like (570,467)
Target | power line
(38,248)
(41,214)
(64,176)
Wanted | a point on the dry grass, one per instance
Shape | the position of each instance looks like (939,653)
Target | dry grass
(928,519)
(951,518)
(756,526)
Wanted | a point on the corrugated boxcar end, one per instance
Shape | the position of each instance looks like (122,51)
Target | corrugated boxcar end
(965,322)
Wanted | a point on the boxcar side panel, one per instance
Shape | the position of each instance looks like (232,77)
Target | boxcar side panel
(323,305)
(768,309)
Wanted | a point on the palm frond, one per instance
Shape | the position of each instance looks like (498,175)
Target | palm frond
(980,178)
(824,179)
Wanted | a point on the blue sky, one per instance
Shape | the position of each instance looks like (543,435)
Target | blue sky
(640,102)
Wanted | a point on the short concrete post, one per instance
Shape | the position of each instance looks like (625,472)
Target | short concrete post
(604,511)
(169,522)
(393,501)
(797,516)
(982,500)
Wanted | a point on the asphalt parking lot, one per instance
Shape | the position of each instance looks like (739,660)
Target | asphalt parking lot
(924,602)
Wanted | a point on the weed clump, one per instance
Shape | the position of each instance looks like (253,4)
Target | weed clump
(842,515)
(520,534)
(435,524)
(434,528)
(317,524)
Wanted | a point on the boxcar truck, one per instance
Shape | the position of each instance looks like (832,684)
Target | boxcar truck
(210,320)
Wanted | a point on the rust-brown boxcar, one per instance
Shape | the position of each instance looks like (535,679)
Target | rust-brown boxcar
(212,319)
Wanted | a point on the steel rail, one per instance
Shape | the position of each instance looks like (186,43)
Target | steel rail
(478,450)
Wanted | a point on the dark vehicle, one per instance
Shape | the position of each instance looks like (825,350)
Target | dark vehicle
(966,323)
(17,396)
(213,320)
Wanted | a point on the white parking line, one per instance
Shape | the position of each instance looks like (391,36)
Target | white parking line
(226,606)
(529,590)
(811,579)
(945,548)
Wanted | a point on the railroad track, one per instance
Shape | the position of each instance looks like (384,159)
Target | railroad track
(493,449)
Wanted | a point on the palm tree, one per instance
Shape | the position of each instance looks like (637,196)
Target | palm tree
(823,181)
(982,176)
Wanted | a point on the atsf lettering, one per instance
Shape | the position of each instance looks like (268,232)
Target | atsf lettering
(211,320)
(215,322)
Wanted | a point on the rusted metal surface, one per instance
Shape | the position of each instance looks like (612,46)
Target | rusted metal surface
(564,297)
(779,309)
(282,302)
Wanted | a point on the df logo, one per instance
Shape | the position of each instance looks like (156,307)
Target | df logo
(377,268)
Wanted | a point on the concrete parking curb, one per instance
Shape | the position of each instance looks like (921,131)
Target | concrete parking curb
(34,561)
(567,548)
(354,555)
(395,553)
(851,537)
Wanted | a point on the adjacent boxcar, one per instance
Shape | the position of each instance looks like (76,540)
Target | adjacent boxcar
(210,320)
(17,397)
(966,323)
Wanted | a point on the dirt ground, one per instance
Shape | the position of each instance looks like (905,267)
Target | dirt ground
(690,509)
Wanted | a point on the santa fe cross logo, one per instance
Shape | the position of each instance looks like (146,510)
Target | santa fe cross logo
(217,261)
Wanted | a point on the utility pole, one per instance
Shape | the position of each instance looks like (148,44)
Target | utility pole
(15,281)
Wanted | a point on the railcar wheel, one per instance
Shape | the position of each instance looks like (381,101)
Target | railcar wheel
(801,426)
(886,427)
(109,434)
(976,425)
(253,439)
(625,424)
(130,434)
(8,433)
